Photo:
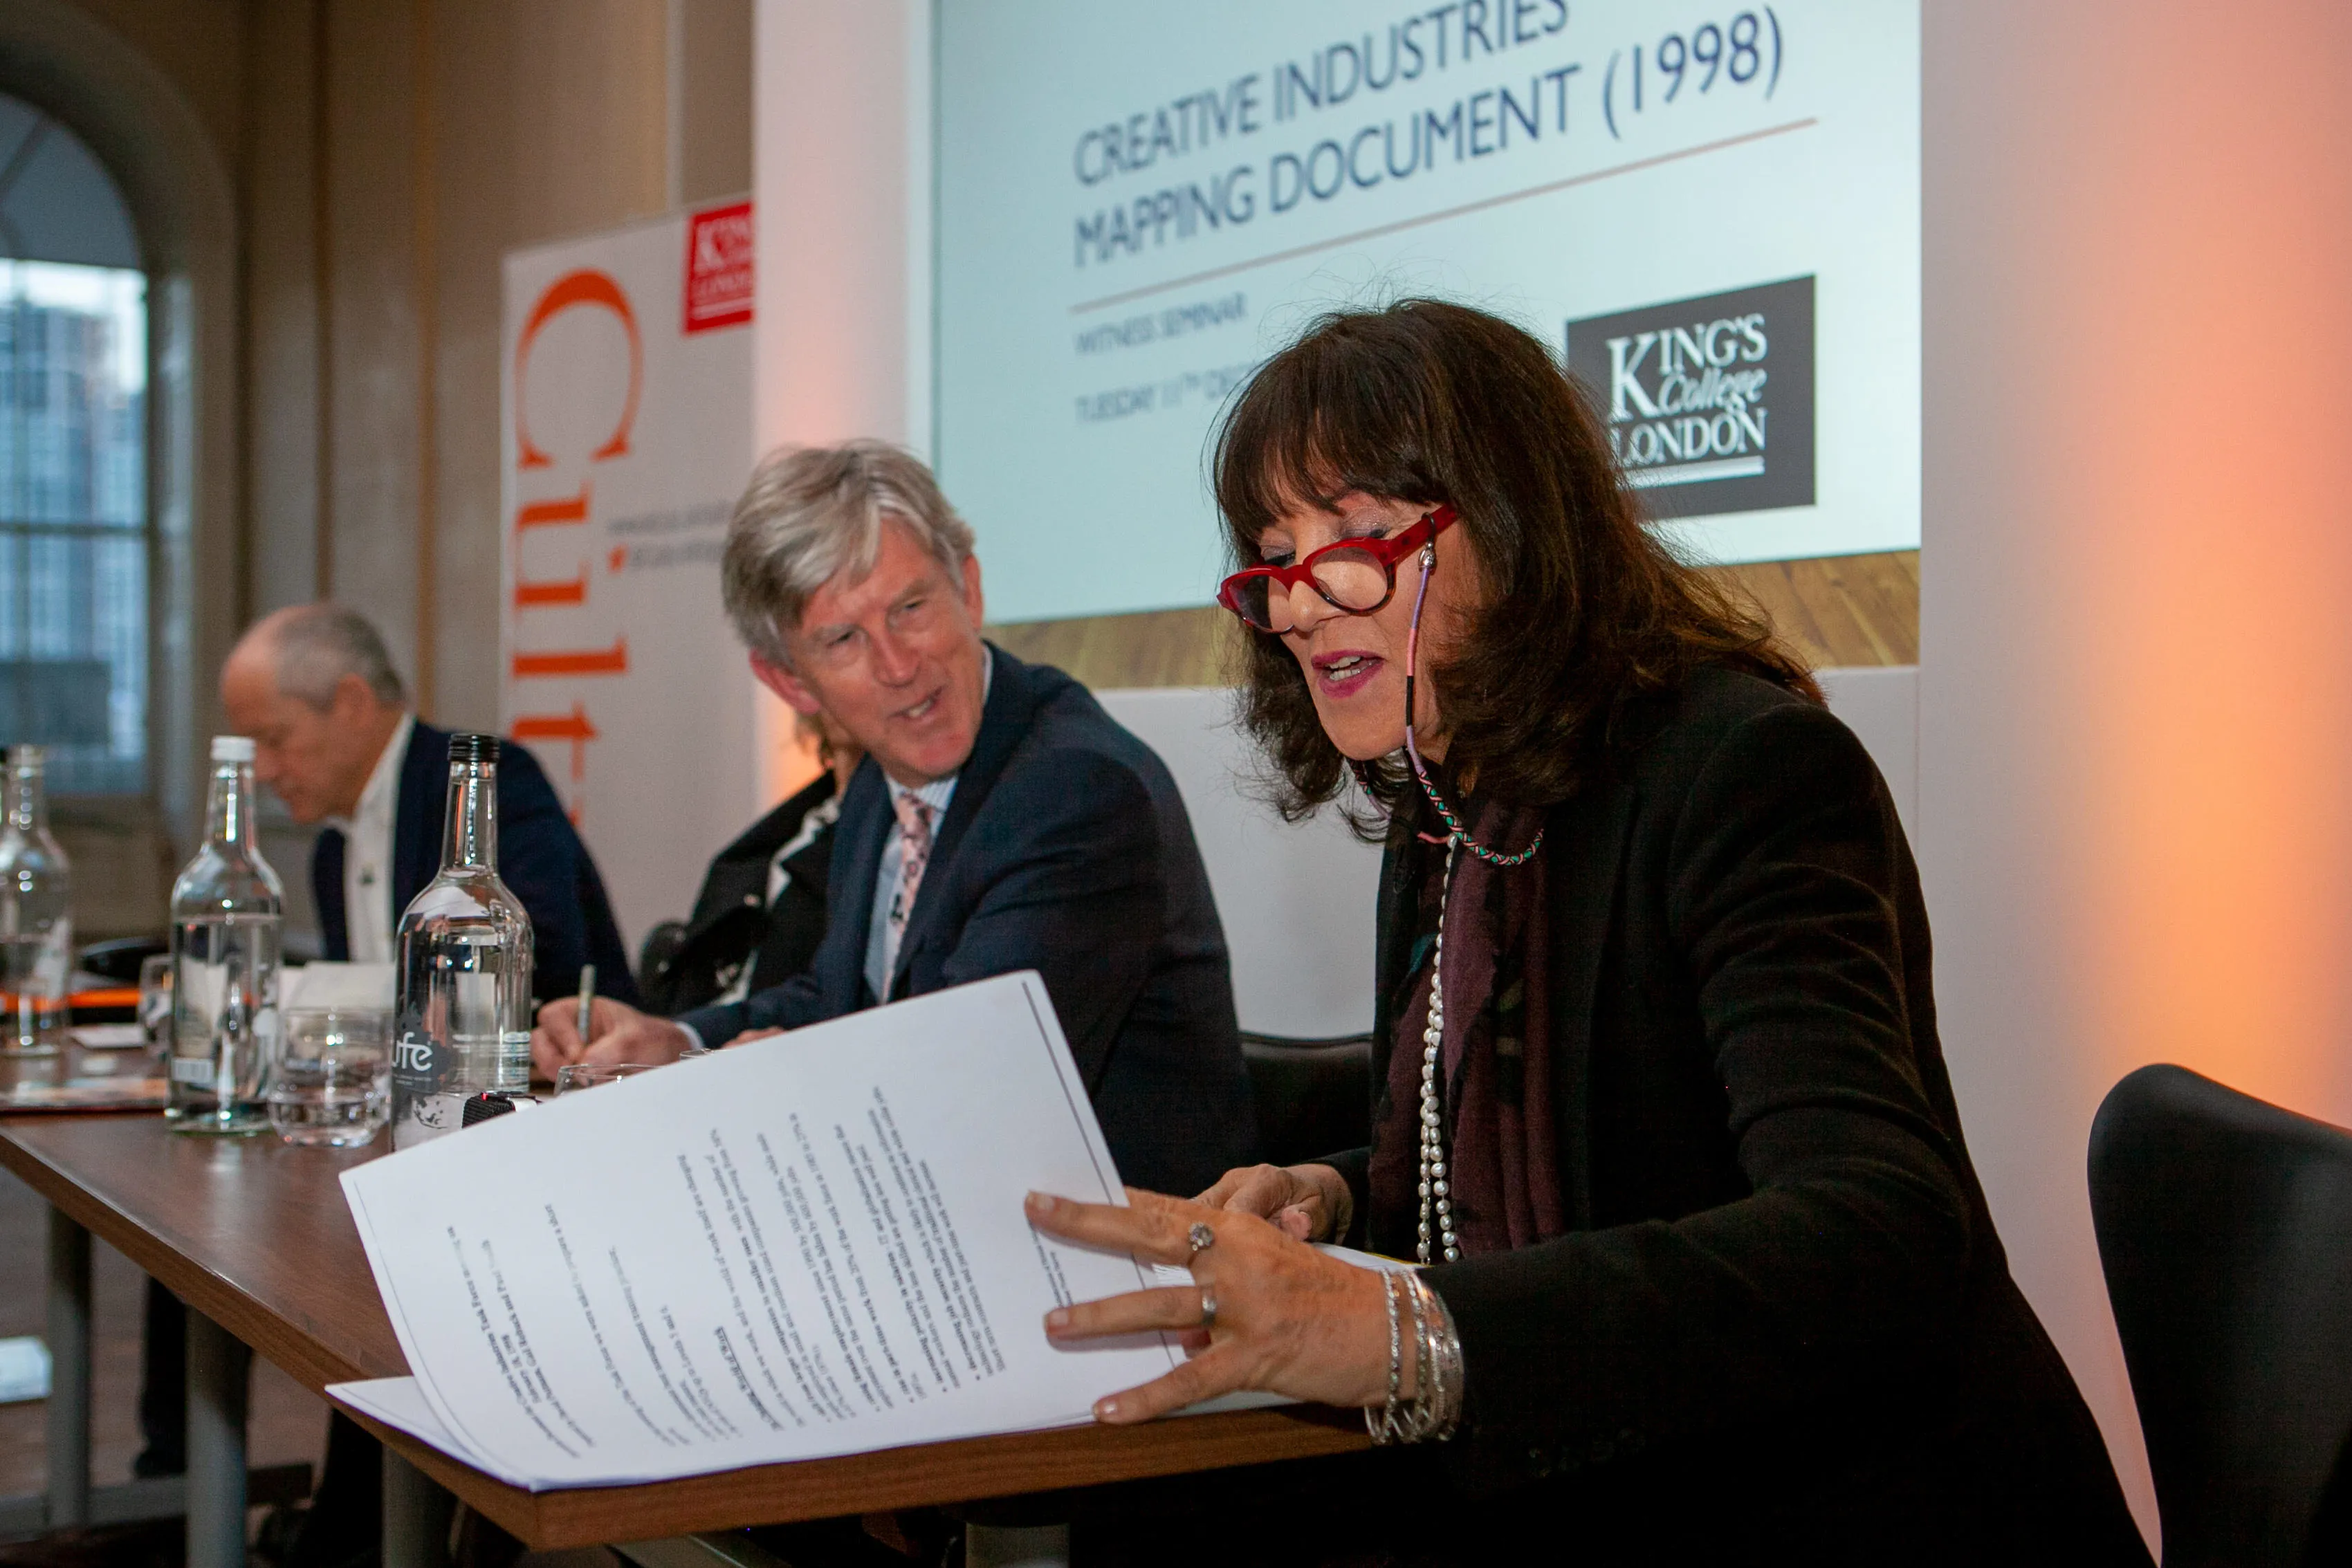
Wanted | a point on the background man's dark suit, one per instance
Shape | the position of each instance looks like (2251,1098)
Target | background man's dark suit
(733,924)
(541,860)
(1065,850)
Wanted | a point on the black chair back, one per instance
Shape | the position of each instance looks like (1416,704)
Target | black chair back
(654,954)
(1313,1096)
(2225,1228)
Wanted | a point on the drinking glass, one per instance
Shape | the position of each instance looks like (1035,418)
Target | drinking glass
(589,1074)
(155,1009)
(333,1086)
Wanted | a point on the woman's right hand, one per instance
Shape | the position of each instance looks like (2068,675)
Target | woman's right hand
(1308,1202)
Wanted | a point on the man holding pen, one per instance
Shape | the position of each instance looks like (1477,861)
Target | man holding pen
(1001,821)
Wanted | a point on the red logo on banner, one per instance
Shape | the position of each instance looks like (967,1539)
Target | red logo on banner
(719,267)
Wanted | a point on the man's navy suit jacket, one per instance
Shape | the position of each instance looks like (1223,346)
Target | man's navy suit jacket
(541,860)
(1066,850)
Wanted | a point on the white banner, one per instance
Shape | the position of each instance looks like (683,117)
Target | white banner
(627,371)
(1711,208)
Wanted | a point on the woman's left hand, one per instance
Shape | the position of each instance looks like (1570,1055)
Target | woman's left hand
(1288,1319)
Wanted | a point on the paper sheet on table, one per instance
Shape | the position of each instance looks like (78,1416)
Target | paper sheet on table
(806,1245)
(399,1402)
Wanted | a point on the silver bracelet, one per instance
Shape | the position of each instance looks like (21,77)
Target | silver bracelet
(1440,1388)
(1381,1423)
(1396,1419)
(1421,1420)
(1424,1356)
(1436,1409)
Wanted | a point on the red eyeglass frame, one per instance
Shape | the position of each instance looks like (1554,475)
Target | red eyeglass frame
(1386,551)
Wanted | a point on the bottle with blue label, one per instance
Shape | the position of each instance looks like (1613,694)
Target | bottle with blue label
(229,920)
(462,1022)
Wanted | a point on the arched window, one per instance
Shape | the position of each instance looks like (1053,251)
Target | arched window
(74,536)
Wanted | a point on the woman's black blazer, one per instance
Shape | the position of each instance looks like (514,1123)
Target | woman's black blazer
(1781,1327)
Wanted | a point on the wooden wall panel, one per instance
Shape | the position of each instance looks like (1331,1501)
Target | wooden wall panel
(1836,611)
(375,322)
(1840,610)
(1159,648)
(397,149)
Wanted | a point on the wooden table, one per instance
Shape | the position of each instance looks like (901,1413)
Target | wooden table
(255,1238)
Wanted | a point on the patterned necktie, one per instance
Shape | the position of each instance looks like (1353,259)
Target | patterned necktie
(914,854)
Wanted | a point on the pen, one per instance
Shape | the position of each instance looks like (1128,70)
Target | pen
(587,998)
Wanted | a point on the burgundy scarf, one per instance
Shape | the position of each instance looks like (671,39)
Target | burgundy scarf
(1496,1068)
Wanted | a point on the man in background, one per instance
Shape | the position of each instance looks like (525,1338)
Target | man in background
(335,739)
(1001,821)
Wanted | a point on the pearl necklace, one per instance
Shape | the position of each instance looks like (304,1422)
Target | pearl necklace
(1436,1206)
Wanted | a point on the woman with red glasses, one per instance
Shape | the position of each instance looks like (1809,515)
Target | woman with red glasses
(1703,1270)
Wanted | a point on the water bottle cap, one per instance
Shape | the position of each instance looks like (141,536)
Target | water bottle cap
(470,748)
(231,749)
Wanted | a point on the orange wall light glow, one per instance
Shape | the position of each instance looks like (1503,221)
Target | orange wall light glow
(2136,726)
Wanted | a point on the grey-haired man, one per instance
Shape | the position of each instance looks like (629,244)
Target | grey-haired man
(1001,821)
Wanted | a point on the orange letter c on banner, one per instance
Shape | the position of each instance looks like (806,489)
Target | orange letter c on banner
(586,286)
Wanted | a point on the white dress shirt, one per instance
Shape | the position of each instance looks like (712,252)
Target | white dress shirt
(370,922)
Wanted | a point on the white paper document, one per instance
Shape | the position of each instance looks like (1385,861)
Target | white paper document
(805,1246)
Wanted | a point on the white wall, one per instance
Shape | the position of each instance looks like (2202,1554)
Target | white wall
(840,174)
(1295,899)
(1881,704)
(841,185)
(2135,716)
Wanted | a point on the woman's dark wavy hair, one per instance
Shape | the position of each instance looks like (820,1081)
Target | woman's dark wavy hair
(1584,609)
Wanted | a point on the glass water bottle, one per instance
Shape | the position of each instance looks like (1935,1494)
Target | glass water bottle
(35,931)
(462,1023)
(229,917)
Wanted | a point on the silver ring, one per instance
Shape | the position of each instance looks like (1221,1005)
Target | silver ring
(1208,1308)
(1202,1237)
